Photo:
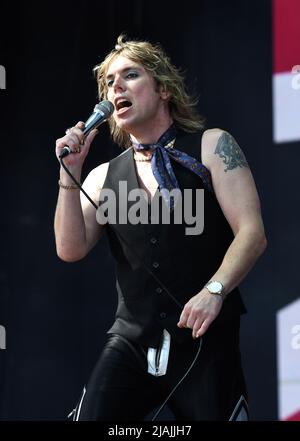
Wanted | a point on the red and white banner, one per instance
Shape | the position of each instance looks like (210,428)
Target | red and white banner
(286,70)
(288,362)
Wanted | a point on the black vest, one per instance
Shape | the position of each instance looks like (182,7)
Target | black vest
(183,263)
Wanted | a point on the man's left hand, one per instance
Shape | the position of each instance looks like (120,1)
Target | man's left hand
(200,311)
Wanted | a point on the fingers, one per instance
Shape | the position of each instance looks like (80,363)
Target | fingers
(91,136)
(196,320)
(188,316)
(200,331)
(74,139)
(198,326)
(80,125)
(75,134)
(183,319)
(188,319)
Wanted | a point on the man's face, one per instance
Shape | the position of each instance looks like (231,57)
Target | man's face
(137,98)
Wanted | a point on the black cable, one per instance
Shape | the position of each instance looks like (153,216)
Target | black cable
(77,183)
(179,382)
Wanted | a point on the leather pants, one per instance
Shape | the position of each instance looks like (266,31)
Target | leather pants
(120,388)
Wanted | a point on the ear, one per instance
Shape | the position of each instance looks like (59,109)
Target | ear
(164,93)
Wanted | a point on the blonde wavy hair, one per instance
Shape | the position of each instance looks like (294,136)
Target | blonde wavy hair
(182,106)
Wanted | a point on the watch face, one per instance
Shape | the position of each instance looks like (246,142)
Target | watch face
(215,287)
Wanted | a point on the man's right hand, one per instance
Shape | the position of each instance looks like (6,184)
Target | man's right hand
(79,145)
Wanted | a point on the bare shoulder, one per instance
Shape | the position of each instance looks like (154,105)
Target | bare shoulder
(93,183)
(209,143)
(97,176)
(211,136)
(219,147)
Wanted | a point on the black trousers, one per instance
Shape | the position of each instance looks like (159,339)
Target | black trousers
(120,389)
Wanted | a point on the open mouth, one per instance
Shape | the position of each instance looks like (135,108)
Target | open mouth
(123,104)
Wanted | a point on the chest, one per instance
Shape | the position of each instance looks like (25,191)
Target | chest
(146,178)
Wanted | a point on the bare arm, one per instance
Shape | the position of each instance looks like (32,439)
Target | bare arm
(237,195)
(75,225)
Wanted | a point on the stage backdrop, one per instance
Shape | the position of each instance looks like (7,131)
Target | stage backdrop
(55,314)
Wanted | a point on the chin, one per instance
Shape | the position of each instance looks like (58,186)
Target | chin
(125,125)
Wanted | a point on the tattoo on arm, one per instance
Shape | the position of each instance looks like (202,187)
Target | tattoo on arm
(231,153)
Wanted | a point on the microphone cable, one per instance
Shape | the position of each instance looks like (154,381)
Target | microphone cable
(179,382)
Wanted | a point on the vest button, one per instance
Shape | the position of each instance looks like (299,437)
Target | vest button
(163,315)
(158,290)
(153,240)
(155,264)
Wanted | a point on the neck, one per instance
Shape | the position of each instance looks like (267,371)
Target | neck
(151,133)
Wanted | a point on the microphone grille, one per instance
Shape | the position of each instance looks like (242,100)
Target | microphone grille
(106,107)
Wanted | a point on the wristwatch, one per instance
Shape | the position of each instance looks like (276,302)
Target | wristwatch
(215,287)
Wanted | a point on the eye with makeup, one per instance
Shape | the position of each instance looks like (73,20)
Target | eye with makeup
(131,75)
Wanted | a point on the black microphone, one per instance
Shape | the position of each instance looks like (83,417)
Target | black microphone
(101,113)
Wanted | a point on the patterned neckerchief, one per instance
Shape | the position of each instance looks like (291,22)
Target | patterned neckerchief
(162,168)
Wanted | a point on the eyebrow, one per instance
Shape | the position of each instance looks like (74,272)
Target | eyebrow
(126,69)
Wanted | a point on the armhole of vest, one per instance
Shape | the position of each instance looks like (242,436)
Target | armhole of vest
(111,165)
(194,143)
(200,147)
(106,178)
(197,143)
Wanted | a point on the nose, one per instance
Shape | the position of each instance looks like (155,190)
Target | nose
(118,83)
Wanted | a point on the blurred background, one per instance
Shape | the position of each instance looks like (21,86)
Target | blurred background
(238,57)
